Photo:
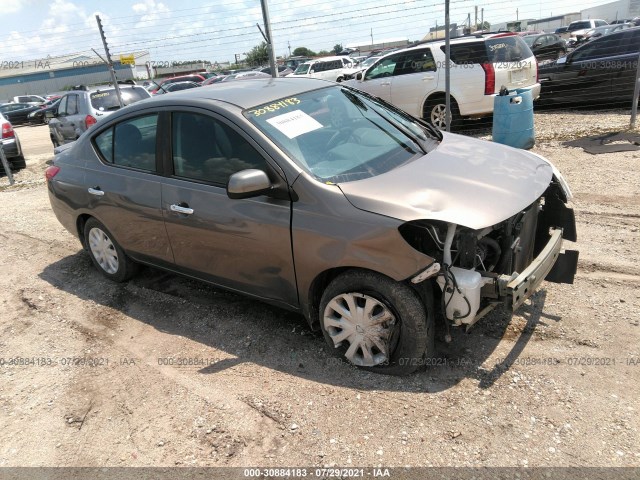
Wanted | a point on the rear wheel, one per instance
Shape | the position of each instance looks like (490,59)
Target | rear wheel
(435,111)
(376,323)
(106,254)
(19,163)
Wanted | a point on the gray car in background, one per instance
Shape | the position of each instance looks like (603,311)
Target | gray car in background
(323,200)
(82,107)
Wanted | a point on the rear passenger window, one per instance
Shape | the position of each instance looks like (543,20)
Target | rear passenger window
(72,105)
(131,143)
(207,150)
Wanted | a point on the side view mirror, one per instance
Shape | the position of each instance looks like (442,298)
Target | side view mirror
(359,76)
(248,183)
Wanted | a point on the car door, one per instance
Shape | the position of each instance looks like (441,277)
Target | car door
(377,78)
(414,76)
(124,188)
(241,244)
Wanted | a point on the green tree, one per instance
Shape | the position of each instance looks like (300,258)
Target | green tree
(337,48)
(303,52)
(324,53)
(258,55)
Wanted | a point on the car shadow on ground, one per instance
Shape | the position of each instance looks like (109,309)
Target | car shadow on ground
(243,330)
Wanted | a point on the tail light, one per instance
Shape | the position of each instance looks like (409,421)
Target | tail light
(50,172)
(7,131)
(489,78)
(89,120)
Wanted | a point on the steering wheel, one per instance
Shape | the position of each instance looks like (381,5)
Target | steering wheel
(341,136)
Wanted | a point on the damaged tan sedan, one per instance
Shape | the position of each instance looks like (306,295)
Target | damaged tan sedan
(320,199)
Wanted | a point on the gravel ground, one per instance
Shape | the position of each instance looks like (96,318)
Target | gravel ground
(108,380)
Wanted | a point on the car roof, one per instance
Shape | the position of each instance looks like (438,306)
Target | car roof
(245,94)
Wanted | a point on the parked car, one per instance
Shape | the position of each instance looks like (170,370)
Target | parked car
(413,78)
(175,87)
(283,70)
(326,68)
(212,80)
(40,116)
(197,78)
(604,30)
(599,73)
(30,99)
(547,46)
(578,28)
(17,112)
(10,144)
(350,73)
(80,109)
(321,199)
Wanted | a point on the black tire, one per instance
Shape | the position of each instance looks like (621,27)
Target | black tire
(120,270)
(407,338)
(435,109)
(19,163)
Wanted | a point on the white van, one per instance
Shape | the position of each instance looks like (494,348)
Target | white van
(327,68)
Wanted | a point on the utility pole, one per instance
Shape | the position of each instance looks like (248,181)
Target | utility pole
(636,93)
(109,62)
(289,46)
(267,28)
(447,68)
(372,37)
(482,18)
(475,25)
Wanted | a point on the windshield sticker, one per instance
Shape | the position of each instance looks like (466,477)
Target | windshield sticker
(294,123)
(288,102)
(99,95)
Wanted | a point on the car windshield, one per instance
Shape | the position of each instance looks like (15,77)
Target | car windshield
(338,134)
(302,69)
(106,100)
(579,25)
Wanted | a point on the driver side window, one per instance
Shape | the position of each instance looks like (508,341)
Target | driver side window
(384,68)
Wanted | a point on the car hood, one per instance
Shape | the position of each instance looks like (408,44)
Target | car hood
(465,181)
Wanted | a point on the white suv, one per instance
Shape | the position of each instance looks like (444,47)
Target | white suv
(327,68)
(413,79)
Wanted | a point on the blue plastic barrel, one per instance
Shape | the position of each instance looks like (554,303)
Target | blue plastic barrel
(513,119)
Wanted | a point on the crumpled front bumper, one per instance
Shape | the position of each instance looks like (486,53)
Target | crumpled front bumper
(550,264)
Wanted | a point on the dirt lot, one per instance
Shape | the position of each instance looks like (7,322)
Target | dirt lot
(107,380)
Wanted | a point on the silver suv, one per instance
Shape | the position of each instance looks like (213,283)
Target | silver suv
(83,107)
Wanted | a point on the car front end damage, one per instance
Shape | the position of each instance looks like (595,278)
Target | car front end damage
(502,264)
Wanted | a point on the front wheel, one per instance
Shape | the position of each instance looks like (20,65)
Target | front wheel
(376,323)
(107,256)
(435,112)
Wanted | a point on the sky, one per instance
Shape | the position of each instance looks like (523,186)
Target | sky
(176,30)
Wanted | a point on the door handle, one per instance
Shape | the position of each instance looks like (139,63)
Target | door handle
(384,84)
(428,77)
(96,191)
(180,209)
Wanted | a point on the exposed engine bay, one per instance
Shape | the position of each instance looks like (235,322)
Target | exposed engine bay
(477,270)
